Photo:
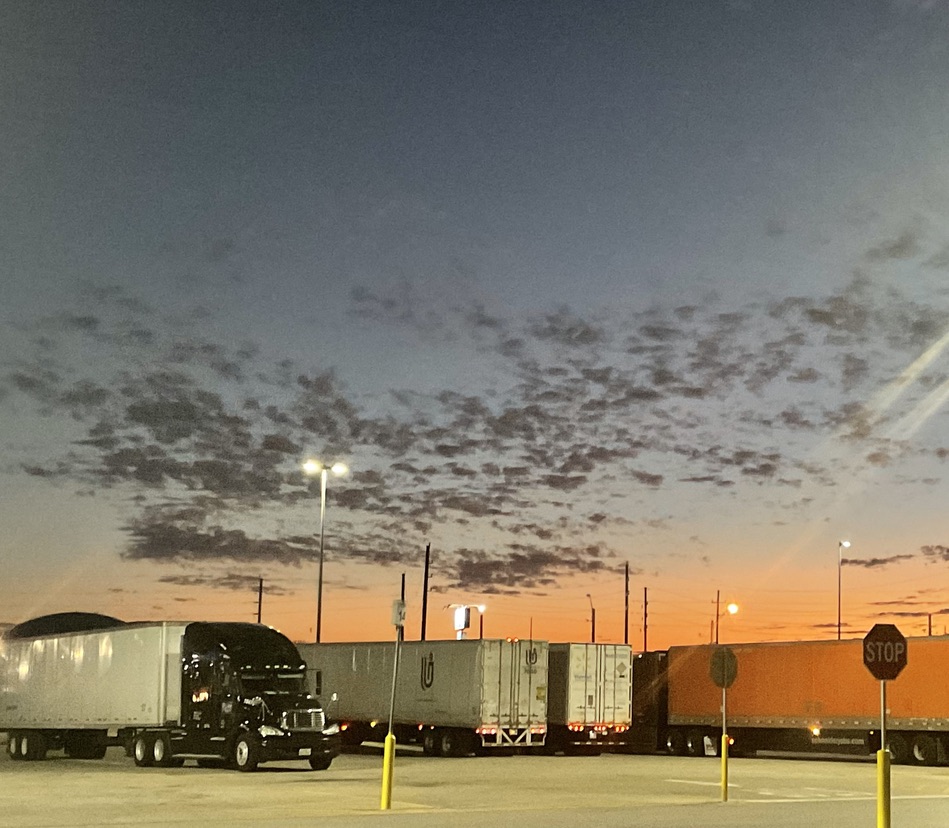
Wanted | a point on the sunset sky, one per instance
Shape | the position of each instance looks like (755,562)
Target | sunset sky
(566,285)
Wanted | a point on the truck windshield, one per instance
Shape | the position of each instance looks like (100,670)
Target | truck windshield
(269,684)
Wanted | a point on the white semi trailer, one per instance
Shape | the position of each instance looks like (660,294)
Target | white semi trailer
(227,692)
(589,703)
(452,697)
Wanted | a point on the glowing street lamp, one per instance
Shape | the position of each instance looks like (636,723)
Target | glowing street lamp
(841,546)
(311,468)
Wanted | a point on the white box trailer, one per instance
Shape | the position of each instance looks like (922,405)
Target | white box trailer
(224,692)
(589,702)
(453,697)
(129,676)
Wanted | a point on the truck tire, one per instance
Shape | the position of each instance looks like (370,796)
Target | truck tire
(452,743)
(320,763)
(13,746)
(161,752)
(695,743)
(925,749)
(143,750)
(430,742)
(246,753)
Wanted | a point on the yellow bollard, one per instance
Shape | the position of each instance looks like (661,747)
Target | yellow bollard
(388,760)
(883,789)
(724,768)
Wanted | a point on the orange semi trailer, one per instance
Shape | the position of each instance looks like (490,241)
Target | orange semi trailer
(810,696)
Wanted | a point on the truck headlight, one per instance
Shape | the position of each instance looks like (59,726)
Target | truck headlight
(267,730)
(331,729)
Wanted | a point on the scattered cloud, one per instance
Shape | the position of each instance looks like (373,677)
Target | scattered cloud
(875,563)
(204,439)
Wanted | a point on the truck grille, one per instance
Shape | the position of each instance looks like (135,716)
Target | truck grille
(304,720)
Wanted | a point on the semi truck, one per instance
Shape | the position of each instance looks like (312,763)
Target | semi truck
(219,693)
(452,697)
(802,696)
(589,697)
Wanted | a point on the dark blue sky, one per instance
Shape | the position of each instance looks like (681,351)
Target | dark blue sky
(578,283)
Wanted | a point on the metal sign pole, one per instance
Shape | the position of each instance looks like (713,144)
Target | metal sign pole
(724,746)
(884,655)
(883,767)
(388,754)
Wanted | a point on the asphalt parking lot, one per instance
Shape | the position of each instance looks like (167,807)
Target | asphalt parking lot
(551,791)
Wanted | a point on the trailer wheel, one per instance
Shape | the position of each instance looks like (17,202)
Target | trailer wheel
(898,747)
(246,753)
(452,743)
(695,743)
(925,749)
(675,743)
(143,750)
(430,742)
(13,746)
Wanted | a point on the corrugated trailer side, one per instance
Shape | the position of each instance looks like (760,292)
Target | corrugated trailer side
(355,680)
(494,691)
(103,680)
(816,694)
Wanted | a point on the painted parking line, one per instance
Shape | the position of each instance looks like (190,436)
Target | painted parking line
(845,797)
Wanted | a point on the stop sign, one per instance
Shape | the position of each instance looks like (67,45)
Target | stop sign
(884,651)
(723,667)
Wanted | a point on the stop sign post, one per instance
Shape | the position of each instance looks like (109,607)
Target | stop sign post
(884,654)
(723,669)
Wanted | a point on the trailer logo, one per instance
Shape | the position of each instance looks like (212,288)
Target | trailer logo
(428,671)
(531,657)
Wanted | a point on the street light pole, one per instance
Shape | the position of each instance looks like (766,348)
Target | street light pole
(319,580)
(844,544)
(592,620)
(311,467)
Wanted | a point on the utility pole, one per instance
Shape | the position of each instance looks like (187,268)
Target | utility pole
(626,612)
(402,599)
(718,599)
(428,548)
(260,597)
(645,617)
